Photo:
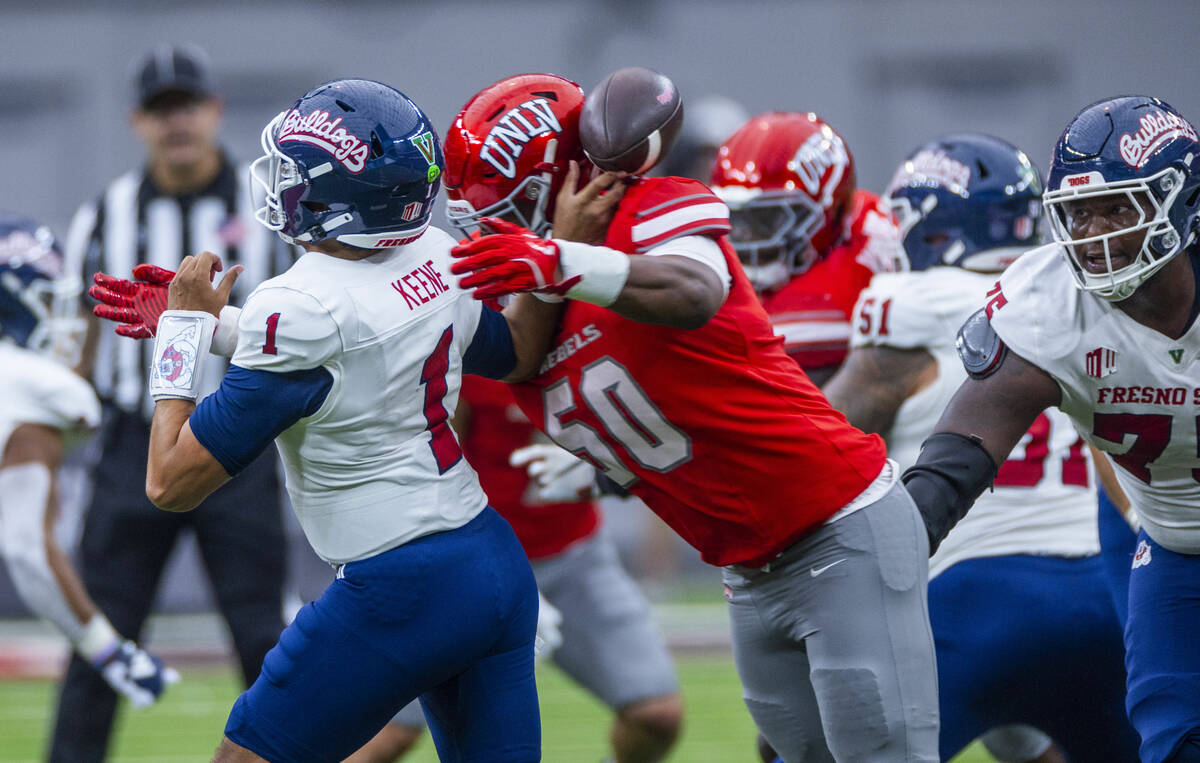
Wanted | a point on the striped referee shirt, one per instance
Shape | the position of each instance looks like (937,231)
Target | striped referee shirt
(134,222)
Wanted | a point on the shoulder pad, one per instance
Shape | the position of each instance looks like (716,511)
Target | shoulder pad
(979,347)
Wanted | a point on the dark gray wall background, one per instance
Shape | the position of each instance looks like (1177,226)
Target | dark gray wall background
(887,75)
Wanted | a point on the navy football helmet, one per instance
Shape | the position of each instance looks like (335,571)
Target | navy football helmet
(968,200)
(39,301)
(353,160)
(1142,149)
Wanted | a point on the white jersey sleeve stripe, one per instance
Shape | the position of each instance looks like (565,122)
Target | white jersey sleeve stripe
(686,218)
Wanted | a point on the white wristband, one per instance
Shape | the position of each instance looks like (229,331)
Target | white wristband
(225,338)
(182,341)
(602,271)
(98,641)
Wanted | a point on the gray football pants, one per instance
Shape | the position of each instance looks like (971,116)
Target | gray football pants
(833,644)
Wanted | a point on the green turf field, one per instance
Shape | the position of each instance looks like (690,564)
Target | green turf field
(187,725)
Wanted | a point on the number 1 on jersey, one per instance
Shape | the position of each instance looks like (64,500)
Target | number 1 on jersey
(443,443)
(269,347)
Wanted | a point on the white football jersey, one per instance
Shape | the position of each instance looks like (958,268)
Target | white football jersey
(1131,391)
(1044,498)
(378,464)
(37,390)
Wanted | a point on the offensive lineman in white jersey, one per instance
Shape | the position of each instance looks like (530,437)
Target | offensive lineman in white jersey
(1102,325)
(43,407)
(351,361)
(1022,619)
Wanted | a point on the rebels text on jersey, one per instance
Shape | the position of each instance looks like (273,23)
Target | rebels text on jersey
(1130,391)
(715,428)
(1043,500)
(812,311)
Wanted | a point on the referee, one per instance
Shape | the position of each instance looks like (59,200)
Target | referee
(189,197)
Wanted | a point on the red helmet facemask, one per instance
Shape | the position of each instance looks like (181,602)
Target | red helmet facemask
(508,151)
(788,179)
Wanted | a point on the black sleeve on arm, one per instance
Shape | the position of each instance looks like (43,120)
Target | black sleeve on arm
(952,471)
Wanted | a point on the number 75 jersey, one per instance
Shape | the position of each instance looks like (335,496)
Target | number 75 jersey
(1130,391)
(715,428)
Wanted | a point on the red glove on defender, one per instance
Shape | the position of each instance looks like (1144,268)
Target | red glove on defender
(134,305)
(509,261)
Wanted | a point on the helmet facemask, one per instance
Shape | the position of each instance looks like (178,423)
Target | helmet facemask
(1160,240)
(285,183)
(772,232)
(526,205)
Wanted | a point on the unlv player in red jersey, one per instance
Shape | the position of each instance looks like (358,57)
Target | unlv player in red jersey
(610,644)
(808,240)
(666,375)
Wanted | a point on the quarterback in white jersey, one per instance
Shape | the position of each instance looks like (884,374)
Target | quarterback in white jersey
(1102,325)
(43,408)
(1019,579)
(351,362)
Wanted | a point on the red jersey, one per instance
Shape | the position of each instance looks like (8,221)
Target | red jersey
(495,428)
(715,428)
(812,311)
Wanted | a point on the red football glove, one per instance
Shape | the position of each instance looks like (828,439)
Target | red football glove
(134,305)
(509,261)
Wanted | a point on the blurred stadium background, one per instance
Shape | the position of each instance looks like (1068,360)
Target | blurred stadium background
(887,75)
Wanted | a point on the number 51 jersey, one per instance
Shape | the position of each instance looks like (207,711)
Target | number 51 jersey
(715,428)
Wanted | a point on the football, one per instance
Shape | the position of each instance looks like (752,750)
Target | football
(630,120)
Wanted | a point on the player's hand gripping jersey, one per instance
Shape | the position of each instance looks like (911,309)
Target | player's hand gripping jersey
(694,421)
(1043,501)
(812,311)
(1130,391)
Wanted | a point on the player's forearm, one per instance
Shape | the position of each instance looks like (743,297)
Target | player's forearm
(669,291)
(532,324)
(874,382)
(172,480)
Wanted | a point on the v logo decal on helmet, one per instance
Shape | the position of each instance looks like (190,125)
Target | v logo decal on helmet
(424,144)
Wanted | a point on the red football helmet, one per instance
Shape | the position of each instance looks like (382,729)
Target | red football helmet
(508,151)
(787,178)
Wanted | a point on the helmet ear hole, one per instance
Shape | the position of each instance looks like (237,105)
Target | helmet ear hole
(983,170)
(376,145)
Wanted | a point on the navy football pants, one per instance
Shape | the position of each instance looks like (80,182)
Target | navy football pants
(449,617)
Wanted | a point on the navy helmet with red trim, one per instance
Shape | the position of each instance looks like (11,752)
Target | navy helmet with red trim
(352,160)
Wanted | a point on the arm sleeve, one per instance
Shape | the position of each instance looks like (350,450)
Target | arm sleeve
(701,249)
(251,408)
(284,329)
(491,351)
